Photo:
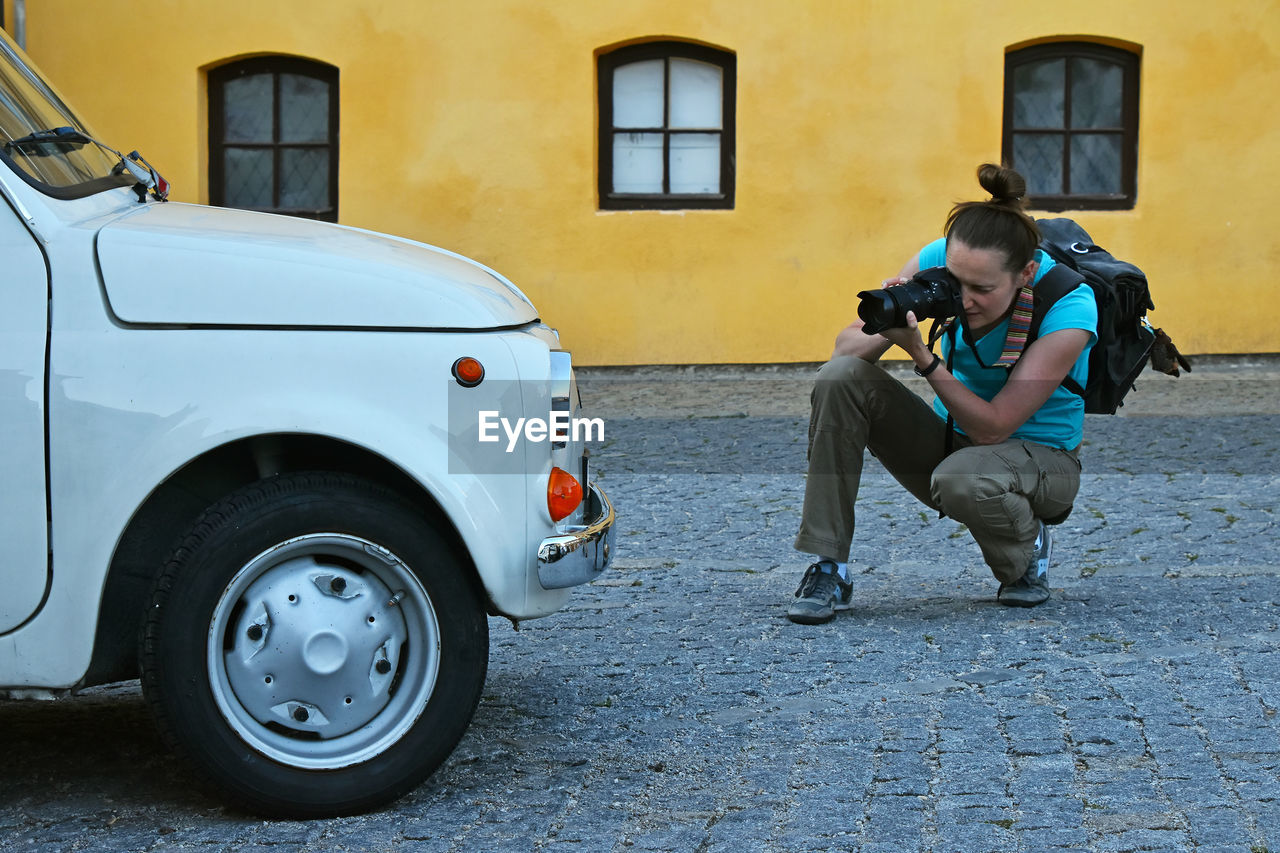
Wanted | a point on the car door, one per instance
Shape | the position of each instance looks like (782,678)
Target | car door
(24,329)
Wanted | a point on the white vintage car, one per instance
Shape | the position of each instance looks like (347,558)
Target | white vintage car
(245,458)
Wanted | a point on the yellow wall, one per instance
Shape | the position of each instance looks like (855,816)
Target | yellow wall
(473,126)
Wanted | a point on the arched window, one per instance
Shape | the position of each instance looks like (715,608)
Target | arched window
(273,136)
(1071,124)
(666,136)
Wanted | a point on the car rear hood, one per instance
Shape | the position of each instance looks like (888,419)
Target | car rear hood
(195,265)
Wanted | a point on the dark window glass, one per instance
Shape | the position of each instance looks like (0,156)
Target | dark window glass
(273,137)
(666,127)
(1071,124)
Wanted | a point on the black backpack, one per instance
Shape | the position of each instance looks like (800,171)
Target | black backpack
(1125,340)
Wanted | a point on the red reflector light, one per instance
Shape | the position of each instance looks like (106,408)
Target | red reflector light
(564,493)
(468,372)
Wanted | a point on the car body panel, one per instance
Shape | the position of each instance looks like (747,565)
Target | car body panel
(24,301)
(195,265)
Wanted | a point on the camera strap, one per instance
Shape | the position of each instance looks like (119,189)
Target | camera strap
(1019,327)
(948,444)
(956,336)
(1014,342)
(938,329)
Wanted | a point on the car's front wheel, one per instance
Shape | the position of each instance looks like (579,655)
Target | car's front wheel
(314,646)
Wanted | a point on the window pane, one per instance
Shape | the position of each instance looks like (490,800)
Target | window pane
(1039,158)
(247,103)
(695,163)
(637,162)
(695,94)
(1038,93)
(637,94)
(304,178)
(304,109)
(249,177)
(1097,93)
(1095,164)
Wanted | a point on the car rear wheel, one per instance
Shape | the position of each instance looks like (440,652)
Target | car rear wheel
(314,646)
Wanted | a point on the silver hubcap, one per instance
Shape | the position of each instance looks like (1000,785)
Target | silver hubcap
(323,651)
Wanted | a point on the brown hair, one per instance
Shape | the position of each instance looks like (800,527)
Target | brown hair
(999,223)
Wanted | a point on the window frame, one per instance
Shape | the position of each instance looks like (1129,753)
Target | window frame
(276,66)
(606,64)
(1130,65)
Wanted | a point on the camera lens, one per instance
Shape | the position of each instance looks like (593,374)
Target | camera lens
(876,308)
(932,293)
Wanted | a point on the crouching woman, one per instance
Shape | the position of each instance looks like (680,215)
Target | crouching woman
(997,451)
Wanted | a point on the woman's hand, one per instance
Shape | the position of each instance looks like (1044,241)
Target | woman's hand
(908,339)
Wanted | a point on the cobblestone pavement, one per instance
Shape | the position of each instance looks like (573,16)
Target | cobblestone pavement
(671,706)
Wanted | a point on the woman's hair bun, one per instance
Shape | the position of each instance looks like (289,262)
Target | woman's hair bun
(1006,186)
(1000,223)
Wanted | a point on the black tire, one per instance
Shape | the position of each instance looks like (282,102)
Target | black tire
(314,646)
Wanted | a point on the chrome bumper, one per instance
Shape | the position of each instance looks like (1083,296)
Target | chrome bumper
(581,552)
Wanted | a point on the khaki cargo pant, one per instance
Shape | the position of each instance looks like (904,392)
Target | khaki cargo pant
(999,491)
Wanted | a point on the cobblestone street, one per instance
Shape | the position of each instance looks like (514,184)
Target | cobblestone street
(672,707)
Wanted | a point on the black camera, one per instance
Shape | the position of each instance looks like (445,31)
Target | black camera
(933,293)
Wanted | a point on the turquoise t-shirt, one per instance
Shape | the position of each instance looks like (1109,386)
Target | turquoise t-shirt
(1060,421)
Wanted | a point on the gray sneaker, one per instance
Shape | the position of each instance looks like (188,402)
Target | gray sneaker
(822,592)
(1033,587)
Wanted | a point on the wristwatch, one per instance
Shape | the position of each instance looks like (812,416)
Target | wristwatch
(933,365)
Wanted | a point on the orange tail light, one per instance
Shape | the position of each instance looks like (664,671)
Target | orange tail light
(564,493)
